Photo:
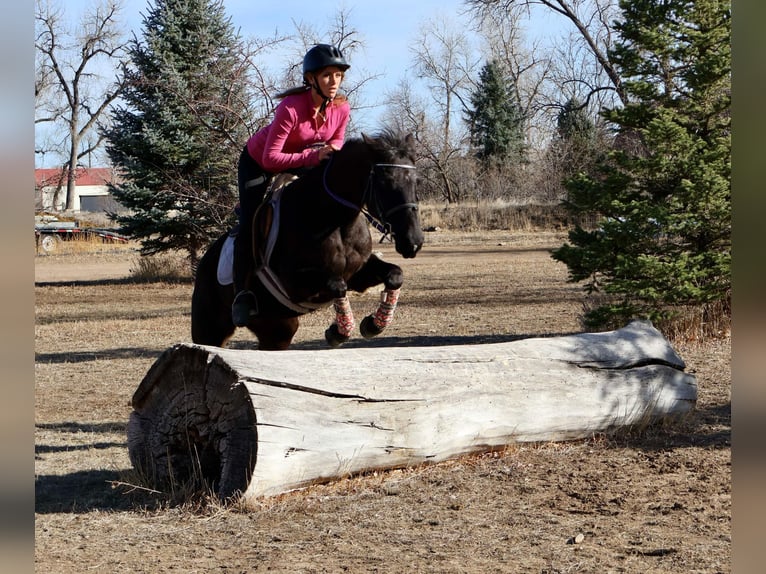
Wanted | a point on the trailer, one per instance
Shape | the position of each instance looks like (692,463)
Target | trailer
(49,234)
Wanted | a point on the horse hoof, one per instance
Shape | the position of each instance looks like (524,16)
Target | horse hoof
(368,328)
(333,336)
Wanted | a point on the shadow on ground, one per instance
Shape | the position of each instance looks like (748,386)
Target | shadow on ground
(85,490)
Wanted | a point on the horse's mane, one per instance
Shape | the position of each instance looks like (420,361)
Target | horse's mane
(388,142)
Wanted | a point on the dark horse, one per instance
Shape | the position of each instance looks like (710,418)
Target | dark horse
(322,247)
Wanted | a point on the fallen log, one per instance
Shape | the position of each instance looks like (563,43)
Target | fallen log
(259,423)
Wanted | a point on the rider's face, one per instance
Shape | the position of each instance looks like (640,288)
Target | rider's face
(328,79)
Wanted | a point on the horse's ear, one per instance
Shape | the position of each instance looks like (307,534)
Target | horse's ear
(409,139)
(367,139)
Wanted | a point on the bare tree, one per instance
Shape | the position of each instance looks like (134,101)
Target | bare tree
(528,67)
(340,32)
(591,20)
(572,65)
(69,80)
(48,107)
(407,113)
(445,62)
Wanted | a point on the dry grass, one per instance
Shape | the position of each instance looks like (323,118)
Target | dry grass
(88,244)
(656,498)
(167,267)
(691,323)
(494,215)
(699,323)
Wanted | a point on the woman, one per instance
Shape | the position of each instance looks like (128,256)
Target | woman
(309,124)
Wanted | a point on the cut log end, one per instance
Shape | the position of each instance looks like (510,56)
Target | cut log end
(193,426)
(259,423)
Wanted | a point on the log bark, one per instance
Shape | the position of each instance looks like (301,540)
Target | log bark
(259,423)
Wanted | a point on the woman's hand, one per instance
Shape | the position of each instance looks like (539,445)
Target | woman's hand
(326,151)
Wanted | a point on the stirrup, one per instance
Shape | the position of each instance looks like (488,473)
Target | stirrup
(244,308)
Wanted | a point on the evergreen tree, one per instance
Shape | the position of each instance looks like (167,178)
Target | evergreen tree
(178,134)
(664,239)
(573,122)
(576,140)
(496,120)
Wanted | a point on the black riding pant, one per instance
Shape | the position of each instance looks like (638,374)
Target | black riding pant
(252,181)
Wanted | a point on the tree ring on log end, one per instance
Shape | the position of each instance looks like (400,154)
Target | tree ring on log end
(192,433)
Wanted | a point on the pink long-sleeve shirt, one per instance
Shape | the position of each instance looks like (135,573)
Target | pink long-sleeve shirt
(285,143)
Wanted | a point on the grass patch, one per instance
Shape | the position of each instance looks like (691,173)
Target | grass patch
(495,215)
(168,268)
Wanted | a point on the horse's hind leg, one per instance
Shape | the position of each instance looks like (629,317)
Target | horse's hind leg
(211,303)
(274,334)
(210,324)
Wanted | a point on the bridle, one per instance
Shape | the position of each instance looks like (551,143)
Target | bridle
(370,198)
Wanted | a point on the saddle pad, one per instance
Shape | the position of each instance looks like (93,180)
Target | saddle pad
(226,262)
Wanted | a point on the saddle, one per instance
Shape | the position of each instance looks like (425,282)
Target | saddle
(266,219)
(265,233)
(225,270)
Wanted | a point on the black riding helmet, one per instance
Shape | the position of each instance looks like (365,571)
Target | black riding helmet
(322,56)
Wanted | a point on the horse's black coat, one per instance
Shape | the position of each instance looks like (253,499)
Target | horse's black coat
(324,247)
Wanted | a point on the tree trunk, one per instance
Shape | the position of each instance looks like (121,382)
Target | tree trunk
(259,423)
(71,176)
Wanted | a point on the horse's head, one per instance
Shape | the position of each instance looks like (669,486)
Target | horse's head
(393,190)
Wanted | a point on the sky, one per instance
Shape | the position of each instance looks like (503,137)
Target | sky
(387,29)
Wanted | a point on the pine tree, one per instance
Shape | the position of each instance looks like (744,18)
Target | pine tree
(663,244)
(576,142)
(177,136)
(496,120)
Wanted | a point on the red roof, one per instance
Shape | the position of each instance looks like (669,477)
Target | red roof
(84,176)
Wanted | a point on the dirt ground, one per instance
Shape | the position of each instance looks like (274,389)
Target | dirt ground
(645,501)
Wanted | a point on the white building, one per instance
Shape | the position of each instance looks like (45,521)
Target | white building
(91,190)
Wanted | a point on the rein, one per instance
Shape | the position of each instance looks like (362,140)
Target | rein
(368,195)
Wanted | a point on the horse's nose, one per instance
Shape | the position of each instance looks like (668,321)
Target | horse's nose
(411,250)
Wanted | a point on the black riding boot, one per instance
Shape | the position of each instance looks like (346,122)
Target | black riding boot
(245,306)
(252,183)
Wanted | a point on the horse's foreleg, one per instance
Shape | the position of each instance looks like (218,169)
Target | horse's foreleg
(344,318)
(377,271)
(373,325)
